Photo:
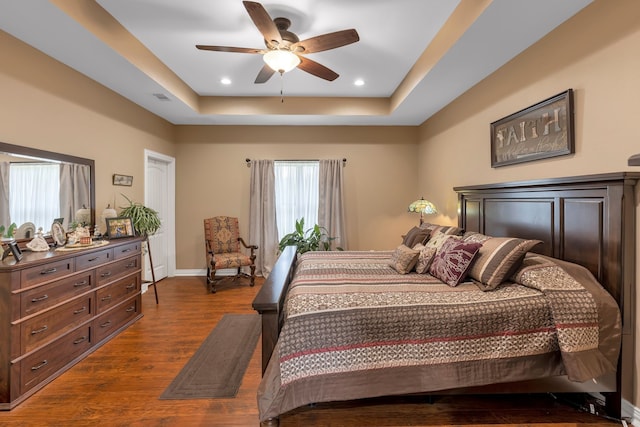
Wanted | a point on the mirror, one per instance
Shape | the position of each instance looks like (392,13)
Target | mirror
(75,189)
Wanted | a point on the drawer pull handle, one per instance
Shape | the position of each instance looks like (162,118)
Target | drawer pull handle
(131,286)
(80,284)
(43,363)
(124,251)
(130,309)
(42,298)
(130,265)
(105,298)
(79,340)
(49,271)
(80,310)
(38,331)
(93,259)
(105,324)
(106,274)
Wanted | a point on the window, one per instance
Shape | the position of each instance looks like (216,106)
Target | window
(35,193)
(296,191)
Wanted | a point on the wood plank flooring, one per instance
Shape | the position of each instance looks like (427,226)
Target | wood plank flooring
(119,384)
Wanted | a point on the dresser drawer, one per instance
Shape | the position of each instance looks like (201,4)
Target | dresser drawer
(126,250)
(117,292)
(35,300)
(107,323)
(115,270)
(48,360)
(53,323)
(46,272)
(93,259)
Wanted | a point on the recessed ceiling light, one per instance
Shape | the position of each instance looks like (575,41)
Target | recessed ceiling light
(359,82)
(225,81)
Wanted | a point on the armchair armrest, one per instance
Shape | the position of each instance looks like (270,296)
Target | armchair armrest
(252,247)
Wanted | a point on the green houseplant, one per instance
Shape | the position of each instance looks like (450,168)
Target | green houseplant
(145,220)
(315,238)
(10,231)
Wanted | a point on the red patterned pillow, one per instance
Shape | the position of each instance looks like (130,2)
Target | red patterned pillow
(453,259)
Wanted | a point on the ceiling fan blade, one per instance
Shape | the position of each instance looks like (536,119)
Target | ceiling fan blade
(326,41)
(263,22)
(265,74)
(318,70)
(229,49)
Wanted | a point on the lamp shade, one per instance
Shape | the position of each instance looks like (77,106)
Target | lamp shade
(281,60)
(83,216)
(422,206)
(108,212)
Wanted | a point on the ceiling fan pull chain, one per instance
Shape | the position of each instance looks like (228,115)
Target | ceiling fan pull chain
(281,87)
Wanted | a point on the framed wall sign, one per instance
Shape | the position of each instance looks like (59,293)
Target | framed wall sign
(538,132)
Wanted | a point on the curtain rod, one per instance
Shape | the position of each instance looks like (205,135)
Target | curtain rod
(344,160)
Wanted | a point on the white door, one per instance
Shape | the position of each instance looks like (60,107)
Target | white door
(160,196)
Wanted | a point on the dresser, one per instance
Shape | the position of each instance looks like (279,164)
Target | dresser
(59,306)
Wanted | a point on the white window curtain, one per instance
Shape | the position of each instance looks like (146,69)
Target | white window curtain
(263,229)
(296,190)
(331,201)
(5,217)
(74,190)
(35,193)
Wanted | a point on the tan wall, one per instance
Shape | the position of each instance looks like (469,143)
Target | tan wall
(213,178)
(596,54)
(49,106)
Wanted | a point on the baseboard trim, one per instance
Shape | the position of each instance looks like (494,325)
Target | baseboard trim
(191,272)
(203,272)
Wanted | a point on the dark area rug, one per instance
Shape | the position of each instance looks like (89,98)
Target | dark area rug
(217,367)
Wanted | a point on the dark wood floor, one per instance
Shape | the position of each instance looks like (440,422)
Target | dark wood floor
(120,383)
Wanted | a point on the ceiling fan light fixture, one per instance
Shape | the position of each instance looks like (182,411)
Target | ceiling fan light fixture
(281,61)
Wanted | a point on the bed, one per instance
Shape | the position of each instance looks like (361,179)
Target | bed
(586,226)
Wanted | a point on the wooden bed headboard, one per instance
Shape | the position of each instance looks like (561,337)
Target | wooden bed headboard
(588,220)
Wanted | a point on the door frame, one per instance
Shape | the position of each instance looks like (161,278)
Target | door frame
(170,217)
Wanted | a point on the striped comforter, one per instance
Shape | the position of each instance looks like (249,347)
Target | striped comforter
(350,317)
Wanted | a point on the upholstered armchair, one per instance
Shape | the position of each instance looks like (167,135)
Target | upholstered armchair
(222,240)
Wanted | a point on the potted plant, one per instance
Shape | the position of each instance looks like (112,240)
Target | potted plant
(315,238)
(9,231)
(145,220)
(145,223)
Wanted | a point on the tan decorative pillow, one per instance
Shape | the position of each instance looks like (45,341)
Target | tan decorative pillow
(497,259)
(424,259)
(403,259)
(437,239)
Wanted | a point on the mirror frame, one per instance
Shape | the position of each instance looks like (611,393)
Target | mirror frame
(51,155)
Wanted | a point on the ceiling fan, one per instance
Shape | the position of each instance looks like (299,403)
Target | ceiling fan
(284,49)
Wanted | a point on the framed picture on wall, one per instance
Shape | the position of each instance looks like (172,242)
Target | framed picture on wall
(538,132)
(126,180)
(120,227)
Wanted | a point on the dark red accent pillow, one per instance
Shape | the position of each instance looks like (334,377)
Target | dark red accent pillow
(453,259)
